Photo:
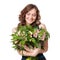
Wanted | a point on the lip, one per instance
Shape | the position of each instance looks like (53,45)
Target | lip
(29,20)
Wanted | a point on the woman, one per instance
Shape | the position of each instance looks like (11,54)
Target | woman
(30,16)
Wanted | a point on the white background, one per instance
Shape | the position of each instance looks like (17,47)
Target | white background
(9,11)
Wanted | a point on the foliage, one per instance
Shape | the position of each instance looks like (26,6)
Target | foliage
(25,36)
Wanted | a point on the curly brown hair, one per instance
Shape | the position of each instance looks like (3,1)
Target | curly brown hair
(27,9)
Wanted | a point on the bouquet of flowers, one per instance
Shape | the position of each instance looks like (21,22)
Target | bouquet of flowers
(25,35)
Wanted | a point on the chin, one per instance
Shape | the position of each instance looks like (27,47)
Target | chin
(30,23)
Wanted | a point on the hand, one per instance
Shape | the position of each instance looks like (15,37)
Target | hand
(36,33)
(32,52)
(43,37)
(27,48)
(35,52)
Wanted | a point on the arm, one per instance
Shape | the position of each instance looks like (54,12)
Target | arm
(45,47)
(14,30)
(44,27)
(43,37)
(25,53)
(36,51)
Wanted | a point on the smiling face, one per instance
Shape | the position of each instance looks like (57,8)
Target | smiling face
(30,16)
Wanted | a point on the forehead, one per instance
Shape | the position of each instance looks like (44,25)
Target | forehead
(32,11)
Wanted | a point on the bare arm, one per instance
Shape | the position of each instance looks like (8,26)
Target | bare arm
(46,42)
(25,53)
(45,47)
(14,30)
(36,51)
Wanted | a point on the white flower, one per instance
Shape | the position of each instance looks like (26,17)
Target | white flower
(18,32)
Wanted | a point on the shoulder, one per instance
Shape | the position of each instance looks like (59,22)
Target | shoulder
(42,26)
(14,29)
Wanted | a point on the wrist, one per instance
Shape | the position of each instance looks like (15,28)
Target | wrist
(25,53)
(38,50)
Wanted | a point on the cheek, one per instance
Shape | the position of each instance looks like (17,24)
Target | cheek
(26,17)
(34,18)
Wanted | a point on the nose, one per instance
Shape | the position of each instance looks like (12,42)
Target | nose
(30,17)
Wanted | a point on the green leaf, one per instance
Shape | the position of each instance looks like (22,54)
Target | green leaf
(25,37)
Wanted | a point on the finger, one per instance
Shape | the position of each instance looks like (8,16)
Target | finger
(27,49)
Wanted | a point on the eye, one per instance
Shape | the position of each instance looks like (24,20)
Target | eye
(28,13)
(34,15)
